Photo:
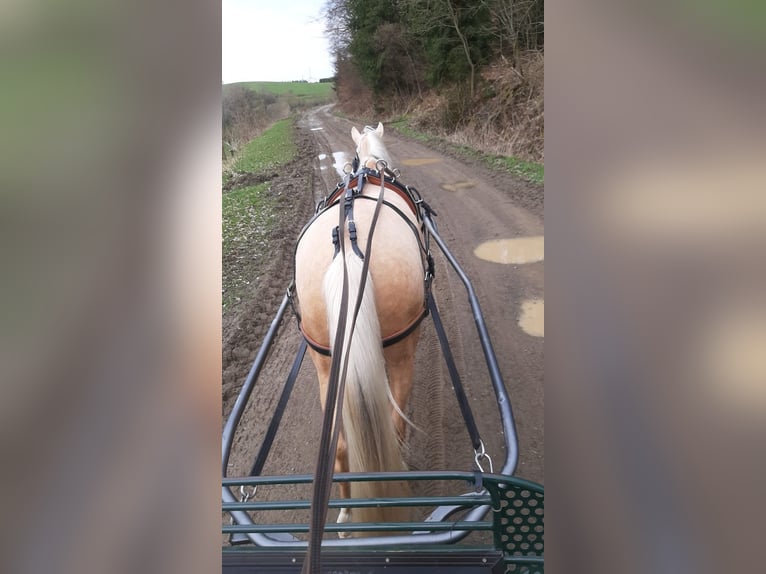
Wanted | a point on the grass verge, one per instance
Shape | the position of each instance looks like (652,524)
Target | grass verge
(249,212)
(248,216)
(273,148)
(526,170)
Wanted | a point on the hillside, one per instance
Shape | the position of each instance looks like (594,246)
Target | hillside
(472,73)
(251,107)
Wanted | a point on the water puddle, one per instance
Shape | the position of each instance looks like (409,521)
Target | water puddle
(458,185)
(518,250)
(316,129)
(421,161)
(532,318)
(322,156)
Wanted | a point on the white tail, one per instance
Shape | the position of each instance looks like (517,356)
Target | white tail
(373,444)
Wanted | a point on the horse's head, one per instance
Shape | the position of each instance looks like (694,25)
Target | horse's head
(369,145)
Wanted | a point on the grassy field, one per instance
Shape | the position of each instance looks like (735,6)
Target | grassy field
(300,89)
(272,149)
(296,93)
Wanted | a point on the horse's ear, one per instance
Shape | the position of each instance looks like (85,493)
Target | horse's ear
(355,135)
(379,129)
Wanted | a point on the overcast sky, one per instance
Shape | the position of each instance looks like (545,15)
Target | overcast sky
(277,40)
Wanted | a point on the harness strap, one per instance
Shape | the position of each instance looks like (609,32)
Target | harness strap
(336,387)
(375,180)
(335,240)
(263,452)
(395,337)
(331,422)
(348,210)
(406,219)
(387,342)
(462,400)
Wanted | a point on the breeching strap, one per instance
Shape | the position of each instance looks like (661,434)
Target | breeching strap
(336,387)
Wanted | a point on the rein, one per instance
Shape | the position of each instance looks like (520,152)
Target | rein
(332,418)
(334,403)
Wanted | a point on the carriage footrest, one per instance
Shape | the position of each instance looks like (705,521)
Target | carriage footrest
(449,560)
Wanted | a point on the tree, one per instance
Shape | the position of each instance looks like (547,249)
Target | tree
(451,29)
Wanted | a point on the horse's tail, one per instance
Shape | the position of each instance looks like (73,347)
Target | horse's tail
(373,443)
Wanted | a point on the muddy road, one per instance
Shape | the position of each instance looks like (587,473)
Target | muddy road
(474,206)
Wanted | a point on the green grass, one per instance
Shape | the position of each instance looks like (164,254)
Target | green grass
(249,212)
(402,126)
(297,94)
(320,92)
(530,171)
(248,215)
(526,170)
(269,151)
(299,89)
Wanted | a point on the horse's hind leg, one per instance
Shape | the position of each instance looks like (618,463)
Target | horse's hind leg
(341,465)
(400,364)
(322,365)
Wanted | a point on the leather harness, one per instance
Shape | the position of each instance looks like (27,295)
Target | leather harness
(349,190)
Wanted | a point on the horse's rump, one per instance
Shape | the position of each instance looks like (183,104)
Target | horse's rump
(396,269)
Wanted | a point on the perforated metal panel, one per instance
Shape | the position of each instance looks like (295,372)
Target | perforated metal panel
(519,514)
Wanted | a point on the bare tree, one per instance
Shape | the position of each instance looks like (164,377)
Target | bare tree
(453,14)
(337,16)
(427,15)
(514,20)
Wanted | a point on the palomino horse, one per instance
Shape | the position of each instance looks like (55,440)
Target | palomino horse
(379,379)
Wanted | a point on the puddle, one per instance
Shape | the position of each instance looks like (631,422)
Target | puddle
(341,159)
(421,161)
(458,185)
(532,318)
(316,129)
(519,250)
(322,156)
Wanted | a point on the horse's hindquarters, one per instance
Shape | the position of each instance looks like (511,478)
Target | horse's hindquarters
(396,269)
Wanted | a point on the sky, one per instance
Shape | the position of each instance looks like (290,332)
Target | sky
(274,40)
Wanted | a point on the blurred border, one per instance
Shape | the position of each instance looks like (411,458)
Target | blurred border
(656,393)
(655,211)
(110,366)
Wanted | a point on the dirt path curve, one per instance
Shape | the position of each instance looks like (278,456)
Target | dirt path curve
(473,206)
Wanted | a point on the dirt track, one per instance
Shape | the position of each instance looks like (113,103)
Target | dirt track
(482,206)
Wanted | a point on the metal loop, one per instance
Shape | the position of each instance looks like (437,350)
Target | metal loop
(245,494)
(381,166)
(348,169)
(415,194)
(481,453)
